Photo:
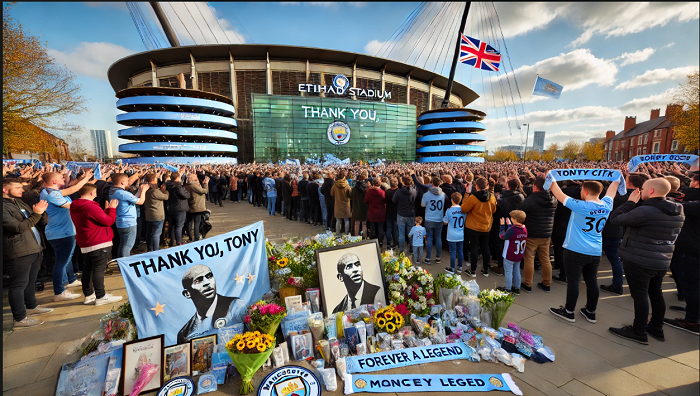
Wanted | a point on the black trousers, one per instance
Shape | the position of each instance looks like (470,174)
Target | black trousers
(577,264)
(305,210)
(177,223)
(558,241)
(257,198)
(194,224)
(315,212)
(94,272)
(288,208)
(296,202)
(330,219)
(691,270)
(479,240)
(21,293)
(645,286)
(376,230)
(234,196)
(678,276)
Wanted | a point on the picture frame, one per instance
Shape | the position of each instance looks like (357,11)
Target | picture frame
(202,354)
(177,361)
(302,346)
(145,350)
(365,277)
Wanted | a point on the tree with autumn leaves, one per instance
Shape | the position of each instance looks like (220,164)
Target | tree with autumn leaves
(686,120)
(37,92)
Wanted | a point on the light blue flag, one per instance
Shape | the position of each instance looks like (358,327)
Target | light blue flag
(193,290)
(75,167)
(544,87)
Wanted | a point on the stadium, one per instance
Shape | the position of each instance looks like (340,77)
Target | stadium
(252,102)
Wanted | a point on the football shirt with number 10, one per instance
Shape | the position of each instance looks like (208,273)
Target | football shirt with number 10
(586,225)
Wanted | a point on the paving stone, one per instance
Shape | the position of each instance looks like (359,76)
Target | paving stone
(66,352)
(12,356)
(23,373)
(43,387)
(578,388)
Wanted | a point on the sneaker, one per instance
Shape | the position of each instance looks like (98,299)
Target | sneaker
(485,273)
(77,283)
(426,261)
(470,273)
(449,270)
(657,334)
(27,322)
(559,278)
(590,316)
(682,324)
(546,289)
(107,299)
(503,289)
(562,313)
(66,295)
(526,288)
(611,289)
(437,260)
(459,270)
(498,271)
(515,292)
(628,333)
(38,310)
(677,308)
(90,299)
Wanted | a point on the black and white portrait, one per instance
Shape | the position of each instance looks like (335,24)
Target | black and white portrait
(350,276)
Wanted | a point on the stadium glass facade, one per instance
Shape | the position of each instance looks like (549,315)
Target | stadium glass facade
(311,127)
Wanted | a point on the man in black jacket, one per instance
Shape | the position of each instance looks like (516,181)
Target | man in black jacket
(392,229)
(178,206)
(22,252)
(314,201)
(405,200)
(328,182)
(258,190)
(539,208)
(646,251)
(301,186)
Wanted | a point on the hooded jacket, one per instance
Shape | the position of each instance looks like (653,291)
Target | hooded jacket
(508,201)
(539,208)
(390,205)
(341,194)
(652,230)
(153,204)
(326,191)
(178,196)
(197,201)
(405,200)
(375,198)
(479,208)
(93,225)
(357,197)
(562,214)
(610,230)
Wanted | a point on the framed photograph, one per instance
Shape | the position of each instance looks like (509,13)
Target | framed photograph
(202,354)
(136,353)
(350,276)
(302,346)
(177,360)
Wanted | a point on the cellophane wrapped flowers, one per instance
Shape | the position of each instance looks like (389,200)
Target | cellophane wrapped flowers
(388,320)
(264,317)
(249,351)
(498,303)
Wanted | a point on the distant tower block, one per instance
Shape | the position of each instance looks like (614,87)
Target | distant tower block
(538,145)
(449,135)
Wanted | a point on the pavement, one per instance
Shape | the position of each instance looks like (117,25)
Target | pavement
(589,359)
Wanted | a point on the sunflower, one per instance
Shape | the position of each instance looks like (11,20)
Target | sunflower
(381,322)
(240,345)
(389,316)
(390,328)
(256,333)
(261,347)
(283,262)
(250,344)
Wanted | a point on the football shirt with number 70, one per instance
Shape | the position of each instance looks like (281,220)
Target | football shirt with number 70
(586,225)
(455,224)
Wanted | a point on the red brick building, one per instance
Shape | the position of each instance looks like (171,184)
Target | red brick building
(650,137)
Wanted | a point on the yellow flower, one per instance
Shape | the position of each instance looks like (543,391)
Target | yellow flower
(240,345)
(261,347)
(250,344)
(381,322)
(389,316)
(390,327)
(283,262)
(256,333)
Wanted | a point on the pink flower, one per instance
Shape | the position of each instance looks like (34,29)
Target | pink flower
(429,295)
(247,319)
(263,310)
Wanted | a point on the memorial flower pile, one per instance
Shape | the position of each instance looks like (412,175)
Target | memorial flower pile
(249,351)
(409,285)
(388,320)
(264,317)
(498,303)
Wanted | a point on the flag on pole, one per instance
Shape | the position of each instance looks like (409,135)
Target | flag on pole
(544,87)
(479,54)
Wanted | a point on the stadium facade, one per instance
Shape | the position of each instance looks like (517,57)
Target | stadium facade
(288,102)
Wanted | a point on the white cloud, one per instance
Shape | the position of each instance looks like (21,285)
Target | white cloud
(197,23)
(518,18)
(635,57)
(373,47)
(657,76)
(543,118)
(620,19)
(91,59)
(642,106)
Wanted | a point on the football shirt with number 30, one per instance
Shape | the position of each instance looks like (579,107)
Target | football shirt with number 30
(586,225)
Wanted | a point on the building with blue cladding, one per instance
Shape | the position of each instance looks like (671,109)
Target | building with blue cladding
(173,125)
(450,135)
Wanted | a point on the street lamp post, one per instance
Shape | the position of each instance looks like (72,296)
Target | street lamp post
(526,138)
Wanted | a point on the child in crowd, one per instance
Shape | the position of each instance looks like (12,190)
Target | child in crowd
(515,235)
(418,233)
(454,218)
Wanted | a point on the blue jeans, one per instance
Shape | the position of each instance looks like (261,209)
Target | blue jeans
(433,230)
(62,272)
(127,238)
(153,231)
(271,205)
(511,269)
(610,247)
(456,252)
(391,229)
(417,254)
(240,194)
(405,223)
(250,196)
(177,223)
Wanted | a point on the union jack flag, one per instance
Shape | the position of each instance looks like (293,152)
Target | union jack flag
(479,54)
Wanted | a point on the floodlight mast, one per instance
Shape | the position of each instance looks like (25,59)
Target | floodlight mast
(167,28)
(448,92)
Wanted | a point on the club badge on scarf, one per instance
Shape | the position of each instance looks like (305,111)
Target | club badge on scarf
(689,159)
(611,175)
(406,357)
(452,383)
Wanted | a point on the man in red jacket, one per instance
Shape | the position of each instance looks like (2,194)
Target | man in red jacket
(93,234)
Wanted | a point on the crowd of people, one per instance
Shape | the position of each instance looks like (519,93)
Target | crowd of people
(497,209)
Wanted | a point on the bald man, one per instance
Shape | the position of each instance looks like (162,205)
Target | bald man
(214,311)
(646,251)
(359,291)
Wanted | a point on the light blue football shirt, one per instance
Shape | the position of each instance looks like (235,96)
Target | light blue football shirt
(455,224)
(586,223)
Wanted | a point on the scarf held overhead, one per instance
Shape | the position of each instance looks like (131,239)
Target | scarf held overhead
(634,163)
(452,383)
(611,175)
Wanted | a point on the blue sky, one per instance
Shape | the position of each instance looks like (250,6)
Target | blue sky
(613,59)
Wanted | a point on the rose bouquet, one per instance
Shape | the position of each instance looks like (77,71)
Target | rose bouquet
(408,285)
(497,303)
(264,317)
(249,351)
(388,320)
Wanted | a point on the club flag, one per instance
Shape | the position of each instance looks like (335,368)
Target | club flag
(479,54)
(544,87)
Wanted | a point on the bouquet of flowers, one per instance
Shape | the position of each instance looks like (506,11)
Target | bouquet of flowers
(497,303)
(448,288)
(388,320)
(264,317)
(249,351)
(408,285)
